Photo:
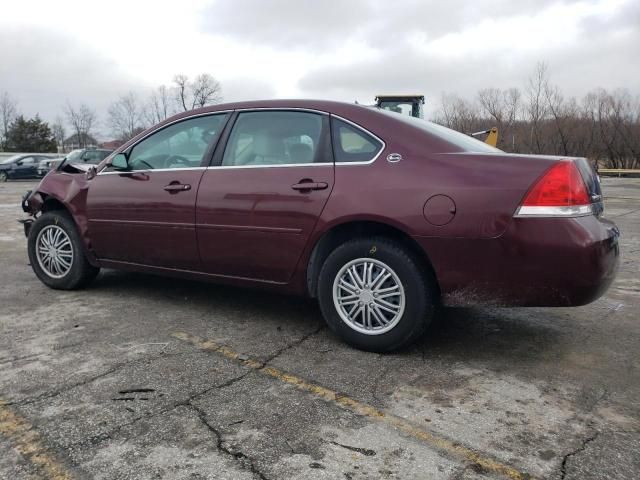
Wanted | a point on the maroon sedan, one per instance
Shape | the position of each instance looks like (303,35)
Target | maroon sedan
(381,217)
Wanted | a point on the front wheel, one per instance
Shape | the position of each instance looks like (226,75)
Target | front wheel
(3,176)
(56,252)
(376,295)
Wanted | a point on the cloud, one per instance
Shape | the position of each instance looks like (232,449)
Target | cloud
(583,43)
(325,24)
(43,69)
(287,24)
(337,49)
(240,89)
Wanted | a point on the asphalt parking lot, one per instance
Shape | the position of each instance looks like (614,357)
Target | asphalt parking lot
(141,377)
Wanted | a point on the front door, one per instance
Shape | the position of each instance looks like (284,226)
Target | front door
(146,214)
(258,207)
(26,168)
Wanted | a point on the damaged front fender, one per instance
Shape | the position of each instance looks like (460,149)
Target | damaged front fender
(66,189)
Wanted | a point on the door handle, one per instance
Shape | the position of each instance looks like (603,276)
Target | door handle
(305,186)
(177,187)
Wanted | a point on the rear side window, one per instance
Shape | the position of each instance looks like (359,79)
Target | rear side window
(351,144)
(274,138)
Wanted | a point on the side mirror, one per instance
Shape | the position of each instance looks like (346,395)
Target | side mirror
(119,162)
(91,173)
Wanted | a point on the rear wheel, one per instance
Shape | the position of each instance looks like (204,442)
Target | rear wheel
(56,252)
(3,176)
(375,294)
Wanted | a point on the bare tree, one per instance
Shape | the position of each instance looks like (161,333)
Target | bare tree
(458,113)
(501,106)
(604,126)
(82,120)
(59,133)
(125,117)
(160,105)
(560,113)
(492,101)
(204,90)
(536,107)
(8,113)
(182,90)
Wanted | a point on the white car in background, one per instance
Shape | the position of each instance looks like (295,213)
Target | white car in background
(82,155)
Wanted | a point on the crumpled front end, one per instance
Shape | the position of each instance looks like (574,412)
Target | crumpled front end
(66,190)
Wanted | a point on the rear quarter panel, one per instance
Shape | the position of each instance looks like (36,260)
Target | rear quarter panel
(486,189)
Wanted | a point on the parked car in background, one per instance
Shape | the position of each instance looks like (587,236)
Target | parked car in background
(21,166)
(84,155)
(380,216)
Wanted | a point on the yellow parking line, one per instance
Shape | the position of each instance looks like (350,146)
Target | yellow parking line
(360,408)
(29,443)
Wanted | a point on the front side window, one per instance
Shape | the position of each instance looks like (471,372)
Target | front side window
(350,144)
(181,145)
(274,138)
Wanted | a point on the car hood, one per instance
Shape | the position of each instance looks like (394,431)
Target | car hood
(83,167)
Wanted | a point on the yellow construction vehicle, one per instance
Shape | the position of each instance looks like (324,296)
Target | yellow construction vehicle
(411,105)
(405,104)
(491,136)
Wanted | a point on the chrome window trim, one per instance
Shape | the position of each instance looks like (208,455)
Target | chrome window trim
(526,211)
(311,110)
(280,165)
(149,170)
(368,162)
(250,109)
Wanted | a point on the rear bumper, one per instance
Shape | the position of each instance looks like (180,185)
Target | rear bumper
(536,262)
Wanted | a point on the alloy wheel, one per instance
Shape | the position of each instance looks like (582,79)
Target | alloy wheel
(54,251)
(369,296)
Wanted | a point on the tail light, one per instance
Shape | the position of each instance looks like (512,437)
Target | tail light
(560,192)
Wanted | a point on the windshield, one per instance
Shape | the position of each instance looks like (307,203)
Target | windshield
(460,140)
(10,159)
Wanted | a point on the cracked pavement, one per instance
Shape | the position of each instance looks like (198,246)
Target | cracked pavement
(113,394)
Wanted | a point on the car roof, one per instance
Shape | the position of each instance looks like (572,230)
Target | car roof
(351,111)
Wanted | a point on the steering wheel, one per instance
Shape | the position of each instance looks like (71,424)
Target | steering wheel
(175,159)
(146,163)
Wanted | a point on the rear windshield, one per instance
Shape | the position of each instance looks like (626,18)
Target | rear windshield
(465,142)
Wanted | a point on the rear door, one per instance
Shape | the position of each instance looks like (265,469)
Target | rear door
(146,215)
(259,204)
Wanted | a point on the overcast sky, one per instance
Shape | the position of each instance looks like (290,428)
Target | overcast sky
(92,51)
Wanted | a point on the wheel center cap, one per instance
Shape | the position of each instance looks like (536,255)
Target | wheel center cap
(366,296)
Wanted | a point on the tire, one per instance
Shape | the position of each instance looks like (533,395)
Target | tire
(3,177)
(73,270)
(414,305)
